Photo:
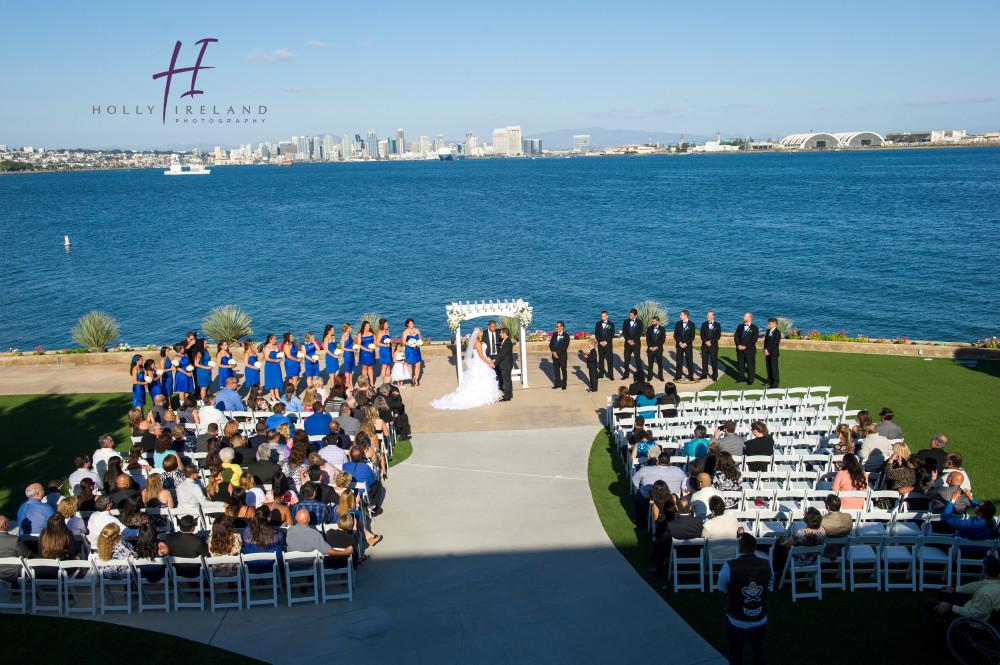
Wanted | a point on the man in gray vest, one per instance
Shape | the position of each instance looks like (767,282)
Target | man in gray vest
(746,581)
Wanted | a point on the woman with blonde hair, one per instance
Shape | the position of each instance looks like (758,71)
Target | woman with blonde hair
(68,507)
(154,496)
(348,505)
(845,443)
(110,546)
(232,427)
(309,396)
(322,392)
(255,495)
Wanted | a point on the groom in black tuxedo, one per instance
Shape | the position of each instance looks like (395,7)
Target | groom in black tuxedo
(683,338)
(604,334)
(745,340)
(504,364)
(491,344)
(655,337)
(559,346)
(632,332)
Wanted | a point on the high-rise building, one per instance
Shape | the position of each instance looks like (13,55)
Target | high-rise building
(317,148)
(532,146)
(425,145)
(383,149)
(514,141)
(371,145)
(327,147)
(471,143)
(305,145)
(345,146)
(581,143)
(439,142)
(400,142)
(414,147)
(500,141)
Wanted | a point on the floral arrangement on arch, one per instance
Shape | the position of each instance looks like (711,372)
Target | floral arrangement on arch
(524,316)
(455,318)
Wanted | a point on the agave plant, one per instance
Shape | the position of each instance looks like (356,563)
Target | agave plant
(513,324)
(650,308)
(370,317)
(784,325)
(95,330)
(227,323)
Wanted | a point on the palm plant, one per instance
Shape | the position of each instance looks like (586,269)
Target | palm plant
(227,323)
(650,308)
(372,318)
(784,325)
(513,324)
(95,331)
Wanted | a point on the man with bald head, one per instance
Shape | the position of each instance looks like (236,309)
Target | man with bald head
(33,513)
(123,491)
(950,492)
(700,499)
(303,538)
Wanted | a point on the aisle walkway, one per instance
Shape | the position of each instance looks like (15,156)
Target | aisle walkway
(493,553)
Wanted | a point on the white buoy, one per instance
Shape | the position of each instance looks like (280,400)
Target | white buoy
(66,241)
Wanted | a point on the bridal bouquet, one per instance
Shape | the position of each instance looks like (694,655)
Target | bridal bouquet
(232,362)
(211,363)
(301,355)
(314,358)
(189,368)
(371,347)
(338,351)
(175,362)
(414,343)
(281,354)
(258,365)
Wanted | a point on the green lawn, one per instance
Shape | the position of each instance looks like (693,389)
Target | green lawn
(29,638)
(927,397)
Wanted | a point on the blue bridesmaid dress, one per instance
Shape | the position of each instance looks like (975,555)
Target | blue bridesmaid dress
(167,379)
(292,364)
(182,382)
(367,357)
(272,373)
(139,391)
(384,352)
(225,372)
(312,368)
(251,377)
(412,354)
(156,388)
(349,355)
(203,377)
(332,363)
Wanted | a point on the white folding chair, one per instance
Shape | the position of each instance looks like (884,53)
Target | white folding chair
(210,510)
(46,585)
(78,575)
(152,578)
(187,575)
(969,555)
(687,557)
(17,595)
(300,573)
(935,556)
(110,581)
(333,577)
(834,560)
(898,557)
(225,571)
(864,555)
(804,566)
(714,563)
(262,567)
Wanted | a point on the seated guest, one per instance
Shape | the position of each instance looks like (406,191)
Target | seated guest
(319,512)
(217,489)
(980,526)
(275,444)
(157,410)
(210,414)
(637,387)
(701,498)
(843,440)
(321,477)
(707,461)
(949,494)
(347,422)
(85,497)
(101,517)
(229,430)
(260,437)
(138,423)
(263,469)
(179,443)
(278,416)
(131,514)
(813,534)
(318,424)
(170,420)
(184,543)
(104,452)
(720,530)
(201,442)
(56,542)
(149,546)
(638,427)
(190,494)
(136,467)
(342,539)
(261,536)
(886,427)
(224,541)
(278,499)
(362,473)
(875,449)
(297,464)
(347,503)
(643,442)
(727,478)
(643,479)
(231,471)
(123,491)
(835,523)
(645,400)
(952,462)
(53,493)
(111,547)
(669,400)
(333,450)
(164,446)
(148,441)
(622,400)
(761,444)
(862,419)
(154,496)
(301,537)
(684,526)
(237,509)
(255,495)
(897,470)
(11,547)
(978,600)
(851,478)
(935,452)
(68,508)
(292,403)
(729,441)
(188,413)
(228,399)
(83,470)
(697,446)
(663,503)
(337,437)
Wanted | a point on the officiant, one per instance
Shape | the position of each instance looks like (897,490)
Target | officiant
(491,344)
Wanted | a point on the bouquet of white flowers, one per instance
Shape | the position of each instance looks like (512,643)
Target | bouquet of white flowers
(175,362)
(301,355)
(232,362)
(281,354)
(338,351)
(152,375)
(189,368)
(415,343)
(211,363)
(314,358)
(371,347)
(258,365)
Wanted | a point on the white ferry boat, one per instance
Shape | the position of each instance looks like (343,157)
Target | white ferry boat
(194,169)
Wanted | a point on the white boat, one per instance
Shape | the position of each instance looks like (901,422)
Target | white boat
(445,154)
(194,169)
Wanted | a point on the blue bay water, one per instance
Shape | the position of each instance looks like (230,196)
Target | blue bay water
(885,243)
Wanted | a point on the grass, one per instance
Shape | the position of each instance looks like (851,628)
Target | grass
(401,452)
(14,629)
(927,397)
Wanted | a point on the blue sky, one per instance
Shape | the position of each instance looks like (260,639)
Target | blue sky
(760,69)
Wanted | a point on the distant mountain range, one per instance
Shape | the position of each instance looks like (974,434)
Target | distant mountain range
(562,139)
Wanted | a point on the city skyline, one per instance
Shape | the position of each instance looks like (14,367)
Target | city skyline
(728,69)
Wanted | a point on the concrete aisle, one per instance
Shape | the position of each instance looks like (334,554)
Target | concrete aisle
(493,553)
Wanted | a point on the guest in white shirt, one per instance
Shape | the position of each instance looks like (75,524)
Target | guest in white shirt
(190,493)
(210,414)
(700,499)
(101,518)
(720,530)
(875,449)
(105,451)
(83,470)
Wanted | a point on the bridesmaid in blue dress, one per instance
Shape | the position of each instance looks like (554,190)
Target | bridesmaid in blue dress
(138,382)
(366,356)
(251,375)
(222,359)
(153,382)
(293,359)
(412,354)
(166,373)
(310,349)
(347,346)
(272,366)
(330,351)
(183,372)
(384,349)
(202,368)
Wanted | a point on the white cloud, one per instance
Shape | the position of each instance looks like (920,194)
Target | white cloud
(279,55)
(312,43)
(666,109)
(949,100)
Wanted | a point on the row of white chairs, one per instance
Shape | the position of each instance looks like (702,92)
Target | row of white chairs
(83,586)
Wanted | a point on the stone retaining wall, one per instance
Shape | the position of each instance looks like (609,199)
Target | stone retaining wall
(924,349)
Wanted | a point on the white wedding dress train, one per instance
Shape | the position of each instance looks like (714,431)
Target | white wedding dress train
(478,387)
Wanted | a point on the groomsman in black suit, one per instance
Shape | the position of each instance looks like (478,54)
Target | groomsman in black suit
(632,332)
(655,337)
(505,364)
(559,345)
(772,340)
(491,345)
(604,333)
(710,334)
(746,349)
(683,337)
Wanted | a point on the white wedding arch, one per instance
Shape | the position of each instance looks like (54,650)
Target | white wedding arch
(520,309)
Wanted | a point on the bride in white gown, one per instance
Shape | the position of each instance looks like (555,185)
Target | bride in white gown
(479,381)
